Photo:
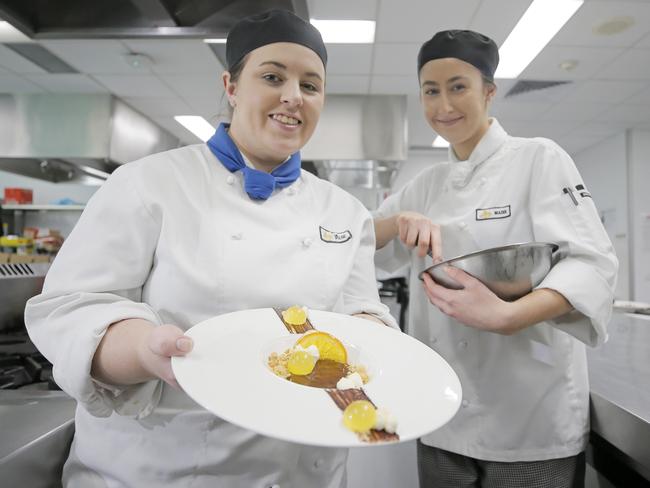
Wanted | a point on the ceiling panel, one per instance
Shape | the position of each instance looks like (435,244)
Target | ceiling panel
(644,43)
(66,83)
(11,61)
(631,65)
(342,84)
(628,114)
(10,83)
(92,56)
(604,91)
(551,129)
(135,86)
(189,56)
(570,111)
(349,59)
(520,111)
(195,86)
(396,59)
(342,9)
(159,107)
(417,20)
(397,85)
(496,18)
(641,97)
(597,129)
(579,30)
(546,66)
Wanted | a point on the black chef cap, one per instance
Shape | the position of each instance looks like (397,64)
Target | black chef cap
(469,46)
(273,26)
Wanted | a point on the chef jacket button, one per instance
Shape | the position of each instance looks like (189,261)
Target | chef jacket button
(307,241)
(318,463)
(482,181)
(230,180)
(464,403)
(462,225)
(462,344)
(434,340)
(291,190)
(274,486)
(237,237)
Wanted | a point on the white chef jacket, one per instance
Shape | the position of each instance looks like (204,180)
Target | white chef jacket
(525,396)
(173,238)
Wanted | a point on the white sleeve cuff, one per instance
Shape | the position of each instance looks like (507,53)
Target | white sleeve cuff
(592,304)
(49,316)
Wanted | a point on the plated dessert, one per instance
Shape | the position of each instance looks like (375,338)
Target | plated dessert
(320,360)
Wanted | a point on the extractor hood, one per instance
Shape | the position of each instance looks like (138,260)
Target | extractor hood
(74,137)
(360,140)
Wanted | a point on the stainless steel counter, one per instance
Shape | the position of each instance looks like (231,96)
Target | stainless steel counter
(36,428)
(619,375)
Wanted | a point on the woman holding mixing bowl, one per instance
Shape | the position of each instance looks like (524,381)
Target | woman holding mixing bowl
(524,417)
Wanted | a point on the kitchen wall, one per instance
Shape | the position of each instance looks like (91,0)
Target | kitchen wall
(604,168)
(418,160)
(617,172)
(638,150)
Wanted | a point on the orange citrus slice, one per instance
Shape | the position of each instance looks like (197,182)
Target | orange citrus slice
(329,347)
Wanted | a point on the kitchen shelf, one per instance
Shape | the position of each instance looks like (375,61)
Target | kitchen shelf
(30,207)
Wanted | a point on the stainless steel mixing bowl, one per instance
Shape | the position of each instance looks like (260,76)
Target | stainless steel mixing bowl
(509,271)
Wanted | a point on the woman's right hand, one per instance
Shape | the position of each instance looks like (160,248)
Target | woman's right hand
(415,229)
(159,346)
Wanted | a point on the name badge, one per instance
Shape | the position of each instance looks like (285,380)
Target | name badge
(334,237)
(493,213)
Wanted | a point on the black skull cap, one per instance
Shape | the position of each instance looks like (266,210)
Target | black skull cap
(472,47)
(267,28)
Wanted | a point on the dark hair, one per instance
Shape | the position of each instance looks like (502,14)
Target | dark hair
(235,73)
(488,81)
(237,68)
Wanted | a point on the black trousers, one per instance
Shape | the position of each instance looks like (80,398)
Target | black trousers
(438,468)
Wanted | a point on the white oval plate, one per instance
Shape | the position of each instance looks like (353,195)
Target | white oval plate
(226,373)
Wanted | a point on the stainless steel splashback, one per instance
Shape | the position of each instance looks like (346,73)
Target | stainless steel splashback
(61,137)
(360,127)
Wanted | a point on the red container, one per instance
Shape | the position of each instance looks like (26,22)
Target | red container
(18,195)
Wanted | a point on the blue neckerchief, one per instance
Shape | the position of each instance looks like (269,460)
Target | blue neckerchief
(258,184)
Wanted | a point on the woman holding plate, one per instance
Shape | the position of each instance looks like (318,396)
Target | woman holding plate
(185,235)
(524,418)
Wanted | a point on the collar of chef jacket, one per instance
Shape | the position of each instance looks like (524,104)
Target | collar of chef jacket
(462,171)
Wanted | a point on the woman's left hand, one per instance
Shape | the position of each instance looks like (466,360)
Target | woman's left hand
(475,305)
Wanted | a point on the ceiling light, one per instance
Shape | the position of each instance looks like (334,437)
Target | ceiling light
(197,125)
(8,33)
(440,142)
(215,41)
(538,25)
(346,31)
(614,26)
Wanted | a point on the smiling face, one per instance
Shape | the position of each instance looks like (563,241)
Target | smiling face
(277,100)
(455,99)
